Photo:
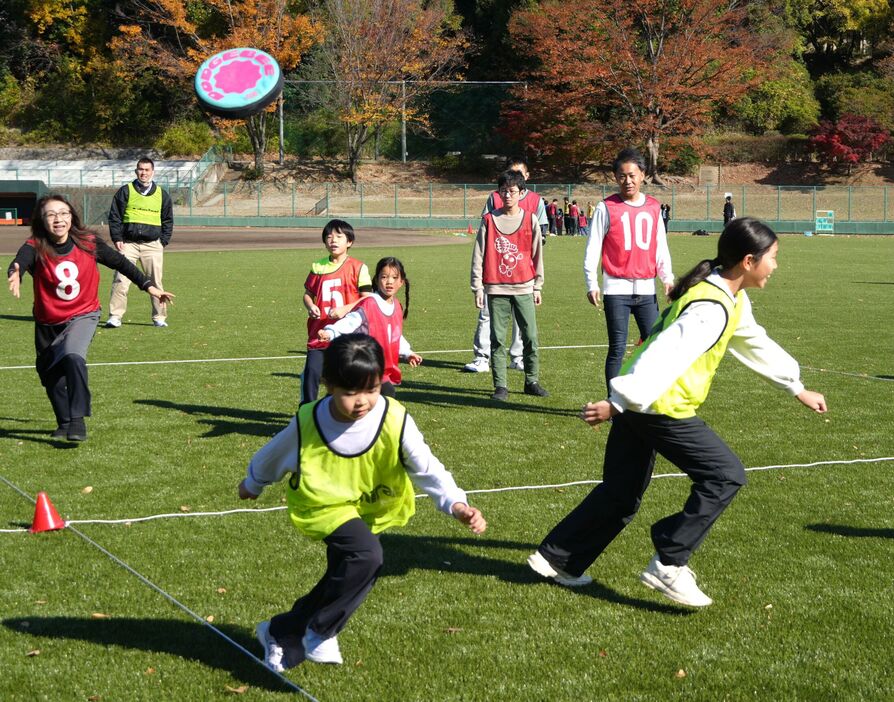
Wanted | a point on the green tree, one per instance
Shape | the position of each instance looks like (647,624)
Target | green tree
(786,103)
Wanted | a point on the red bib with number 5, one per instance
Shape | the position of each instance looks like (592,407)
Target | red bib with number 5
(629,248)
(330,290)
(65,286)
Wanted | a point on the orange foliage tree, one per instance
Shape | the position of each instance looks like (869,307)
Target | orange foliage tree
(610,71)
(382,55)
(172,38)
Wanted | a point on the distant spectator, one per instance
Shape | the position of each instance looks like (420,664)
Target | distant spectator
(574,214)
(729,210)
(551,212)
(665,215)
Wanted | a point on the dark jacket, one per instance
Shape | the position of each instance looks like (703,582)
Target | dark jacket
(140,233)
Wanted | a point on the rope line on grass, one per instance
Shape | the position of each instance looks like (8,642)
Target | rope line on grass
(480,491)
(142,578)
(297,356)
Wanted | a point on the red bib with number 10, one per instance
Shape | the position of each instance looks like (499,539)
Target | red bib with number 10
(628,250)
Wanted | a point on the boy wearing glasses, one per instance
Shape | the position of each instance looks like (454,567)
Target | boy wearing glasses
(507,276)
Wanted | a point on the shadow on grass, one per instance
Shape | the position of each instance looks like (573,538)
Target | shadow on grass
(17,317)
(188,640)
(404,553)
(37,436)
(847,530)
(227,420)
(416,392)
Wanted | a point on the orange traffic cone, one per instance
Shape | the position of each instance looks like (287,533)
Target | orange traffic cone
(470,229)
(46,518)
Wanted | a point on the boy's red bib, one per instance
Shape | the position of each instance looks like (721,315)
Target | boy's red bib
(331,290)
(629,248)
(507,257)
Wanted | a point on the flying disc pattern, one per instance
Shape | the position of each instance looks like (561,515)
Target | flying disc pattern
(238,83)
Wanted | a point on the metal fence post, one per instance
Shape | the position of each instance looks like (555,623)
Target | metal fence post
(395,200)
(465,201)
(361,199)
(259,198)
(708,202)
(778,203)
(849,190)
(293,199)
(225,199)
(813,212)
(885,203)
(429,199)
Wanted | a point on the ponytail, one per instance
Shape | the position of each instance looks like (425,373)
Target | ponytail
(744,236)
(701,271)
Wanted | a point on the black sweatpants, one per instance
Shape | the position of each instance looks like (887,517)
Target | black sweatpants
(310,376)
(635,438)
(62,364)
(353,561)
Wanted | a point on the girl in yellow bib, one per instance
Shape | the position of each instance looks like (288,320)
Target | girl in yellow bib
(354,458)
(652,406)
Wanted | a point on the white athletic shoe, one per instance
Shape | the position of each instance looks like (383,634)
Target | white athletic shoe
(159,323)
(273,653)
(517,364)
(113,322)
(479,365)
(676,582)
(540,565)
(320,650)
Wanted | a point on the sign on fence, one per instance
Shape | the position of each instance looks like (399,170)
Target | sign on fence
(825,221)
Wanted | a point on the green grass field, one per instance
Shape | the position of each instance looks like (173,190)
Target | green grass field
(799,566)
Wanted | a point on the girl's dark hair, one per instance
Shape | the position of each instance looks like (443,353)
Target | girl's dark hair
(629,155)
(353,362)
(741,237)
(391,262)
(84,239)
(338,225)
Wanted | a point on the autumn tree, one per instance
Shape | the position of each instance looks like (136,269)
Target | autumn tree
(847,141)
(172,38)
(632,72)
(382,56)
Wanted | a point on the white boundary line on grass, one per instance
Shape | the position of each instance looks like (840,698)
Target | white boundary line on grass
(173,600)
(481,491)
(298,356)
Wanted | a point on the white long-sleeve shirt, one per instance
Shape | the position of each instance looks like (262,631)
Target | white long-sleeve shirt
(623,286)
(279,456)
(690,335)
(355,319)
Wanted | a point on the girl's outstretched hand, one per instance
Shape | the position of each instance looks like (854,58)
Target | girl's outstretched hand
(813,400)
(14,281)
(414,359)
(470,516)
(594,413)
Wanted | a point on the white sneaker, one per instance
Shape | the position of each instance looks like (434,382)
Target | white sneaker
(159,323)
(675,582)
(517,364)
(479,365)
(540,565)
(113,322)
(273,653)
(320,650)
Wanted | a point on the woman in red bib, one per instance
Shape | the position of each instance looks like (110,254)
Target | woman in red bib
(62,258)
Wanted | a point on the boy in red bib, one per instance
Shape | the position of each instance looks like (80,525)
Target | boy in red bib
(507,275)
(333,287)
(628,240)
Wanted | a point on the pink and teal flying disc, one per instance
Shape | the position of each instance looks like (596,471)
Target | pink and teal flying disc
(238,83)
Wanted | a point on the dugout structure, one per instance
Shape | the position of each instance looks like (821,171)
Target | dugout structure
(19,197)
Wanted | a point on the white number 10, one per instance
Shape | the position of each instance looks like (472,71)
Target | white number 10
(642,230)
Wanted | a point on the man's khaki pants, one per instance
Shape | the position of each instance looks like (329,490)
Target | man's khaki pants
(150,258)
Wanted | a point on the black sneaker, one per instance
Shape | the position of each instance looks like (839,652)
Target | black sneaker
(61,431)
(535,389)
(500,394)
(77,429)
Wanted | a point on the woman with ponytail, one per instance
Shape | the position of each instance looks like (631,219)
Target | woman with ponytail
(652,406)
